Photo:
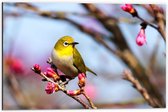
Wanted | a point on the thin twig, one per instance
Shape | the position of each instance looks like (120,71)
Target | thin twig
(21,99)
(124,104)
(159,17)
(89,100)
(31,7)
(128,76)
(155,27)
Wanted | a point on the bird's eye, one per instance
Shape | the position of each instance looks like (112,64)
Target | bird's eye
(65,43)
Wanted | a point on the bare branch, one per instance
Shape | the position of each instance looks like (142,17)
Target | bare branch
(124,104)
(94,34)
(89,100)
(155,27)
(17,93)
(109,23)
(159,17)
(128,76)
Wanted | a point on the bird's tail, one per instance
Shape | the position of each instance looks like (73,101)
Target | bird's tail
(88,69)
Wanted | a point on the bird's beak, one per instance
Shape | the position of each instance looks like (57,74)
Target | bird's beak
(74,43)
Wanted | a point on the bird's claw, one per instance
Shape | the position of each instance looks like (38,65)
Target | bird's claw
(63,84)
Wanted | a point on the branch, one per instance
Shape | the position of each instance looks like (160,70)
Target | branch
(128,76)
(22,101)
(152,60)
(155,27)
(89,100)
(63,90)
(109,23)
(94,34)
(159,17)
(125,104)
(151,11)
(33,8)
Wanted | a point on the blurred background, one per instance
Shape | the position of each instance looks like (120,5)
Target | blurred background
(30,31)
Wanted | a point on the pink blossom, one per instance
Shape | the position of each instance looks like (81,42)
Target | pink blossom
(50,88)
(141,38)
(128,8)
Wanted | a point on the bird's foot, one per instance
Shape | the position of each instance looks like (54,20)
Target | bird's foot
(63,84)
(64,81)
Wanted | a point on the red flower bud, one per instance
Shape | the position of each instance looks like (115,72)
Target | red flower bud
(37,68)
(51,88)
(81,78)
(130,9)
(51,74)
(141,38)
(17,66)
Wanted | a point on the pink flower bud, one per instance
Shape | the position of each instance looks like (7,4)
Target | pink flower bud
(50,88)
(81,76)
(129,8)
(73,92)
(141,38)
(37,68)
(51,74)
(17,66)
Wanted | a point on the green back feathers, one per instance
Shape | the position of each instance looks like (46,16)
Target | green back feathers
(79,63)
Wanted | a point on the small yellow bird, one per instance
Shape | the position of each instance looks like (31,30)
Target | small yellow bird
(67,58)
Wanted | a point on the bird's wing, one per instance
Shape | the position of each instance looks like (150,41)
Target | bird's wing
(78,61)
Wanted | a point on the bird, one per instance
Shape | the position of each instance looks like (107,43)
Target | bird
(67,58)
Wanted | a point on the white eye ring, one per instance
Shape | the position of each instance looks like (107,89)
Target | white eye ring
(65,43)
